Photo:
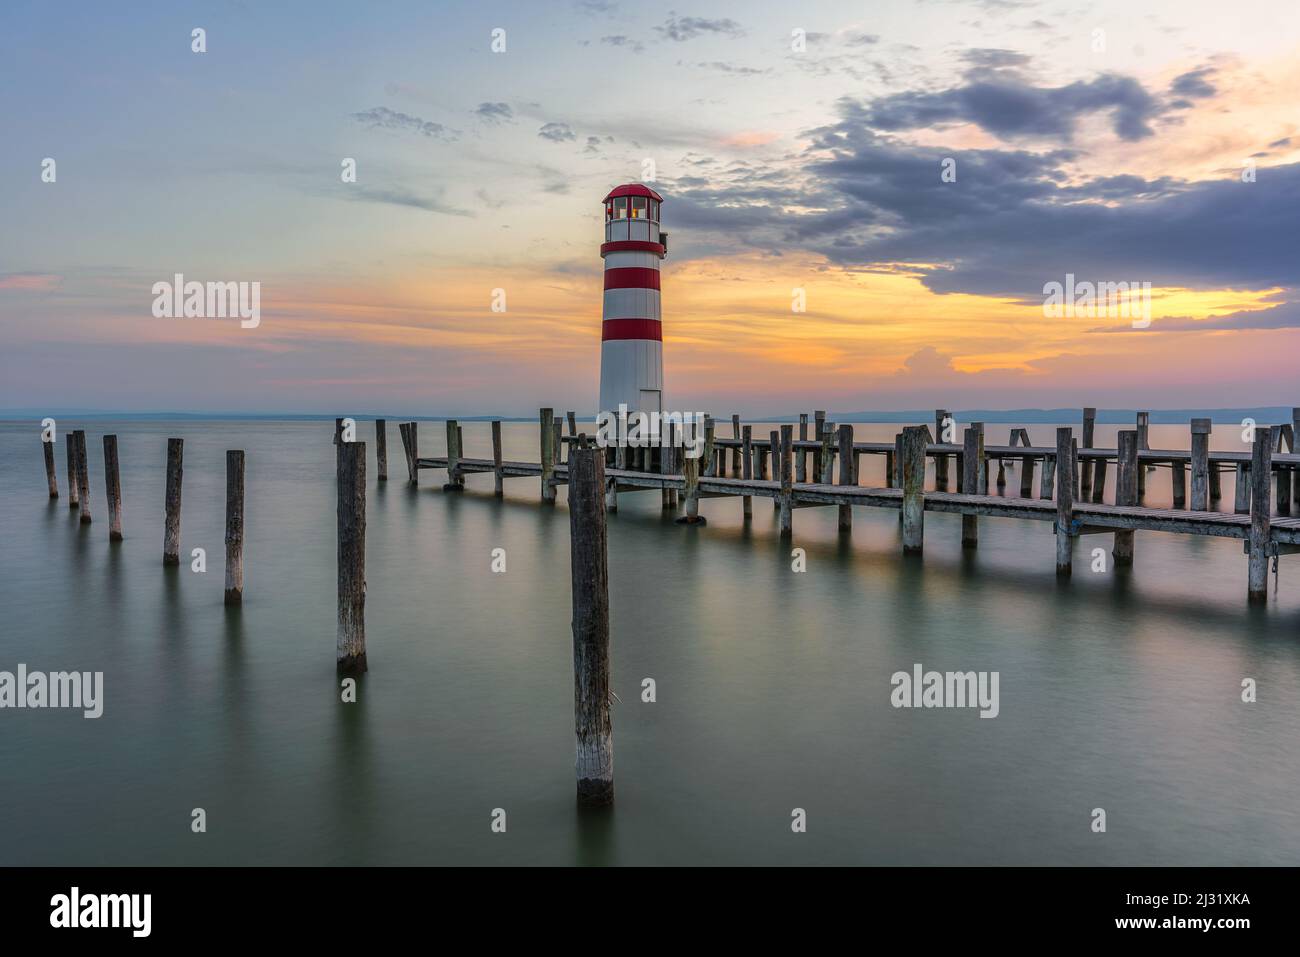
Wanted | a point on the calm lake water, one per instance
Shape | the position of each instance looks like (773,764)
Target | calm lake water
(1117,690)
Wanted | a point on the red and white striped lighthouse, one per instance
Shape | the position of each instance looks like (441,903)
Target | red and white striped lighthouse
(631,348)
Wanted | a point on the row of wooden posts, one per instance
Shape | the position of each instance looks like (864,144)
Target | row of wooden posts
(79,498)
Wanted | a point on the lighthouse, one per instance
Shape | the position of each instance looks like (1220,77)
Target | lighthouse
(631,348)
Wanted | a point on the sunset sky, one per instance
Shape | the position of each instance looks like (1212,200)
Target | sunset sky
(1115,156)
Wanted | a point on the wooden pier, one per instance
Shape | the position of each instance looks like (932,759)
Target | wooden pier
(802,473)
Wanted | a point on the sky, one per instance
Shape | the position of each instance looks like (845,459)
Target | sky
(917,172)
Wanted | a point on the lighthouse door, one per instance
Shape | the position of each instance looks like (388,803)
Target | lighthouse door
(650,401)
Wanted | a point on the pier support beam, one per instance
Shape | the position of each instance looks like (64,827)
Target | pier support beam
(735,452)
(1085,465)
(1282,472)
(455,481)
(547,426)
(914,443)
(411,445)
(51,474)
(1261,461)
(1027,469)
(381,450)
(747,468)
(113,487)
(691,474)
(589,567)
(1201,464)
(1178,473)
(1099,480)
(70,443)
(709,464)
(787,480)
(1241,490)
(1126,492)
(940,461)
(848,475)
(774,446)
(1144,444)
(83,477)
(1065,477)
(498,477)
(235,522)
(351,479)
(172,502)
(801,460)
(973,473)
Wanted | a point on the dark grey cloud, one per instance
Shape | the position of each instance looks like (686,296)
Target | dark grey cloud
(1194,83)
(1285,315)
(687,28)
(1278,144)
(557,132)
(381,117)
(992,58)
(494,112)
(595,6)
(723,67)
(401,196)
(859,39)
(620,40)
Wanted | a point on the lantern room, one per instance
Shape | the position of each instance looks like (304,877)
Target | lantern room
(632,214)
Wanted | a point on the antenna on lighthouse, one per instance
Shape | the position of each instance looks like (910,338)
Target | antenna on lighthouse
(631,348)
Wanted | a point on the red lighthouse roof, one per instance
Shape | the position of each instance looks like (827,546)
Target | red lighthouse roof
(633,189)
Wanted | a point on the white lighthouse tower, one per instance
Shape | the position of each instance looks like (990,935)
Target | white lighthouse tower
(631,348)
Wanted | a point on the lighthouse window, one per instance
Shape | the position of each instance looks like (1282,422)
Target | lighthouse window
(654,210)
(638,207)
(609,211)
(620,207)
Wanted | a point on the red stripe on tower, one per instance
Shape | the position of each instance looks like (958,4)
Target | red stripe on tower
(631,277)
(614,329)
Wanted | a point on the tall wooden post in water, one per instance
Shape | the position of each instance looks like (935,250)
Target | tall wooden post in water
(351,511)
(1261,461)
(940,461)
(1126,492)
(498,485)
(973,479)
(83,477)
(1065,473)
(914,443)
(235,524)
(381,450)
(51,475)
(592,722)
(1201,464)
(847,476)
(172,503)
(747,468)
(1085,465)
(547,426)
(113,487)
(787,480)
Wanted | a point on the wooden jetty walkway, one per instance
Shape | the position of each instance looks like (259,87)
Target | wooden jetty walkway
(825,470)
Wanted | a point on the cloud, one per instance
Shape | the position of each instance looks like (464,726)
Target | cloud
(1194,83)
(381,117)
(1285,315)
(687,28)
(28,281)
(494,112)
(595,6)
(724,67)
(401,196)
(557,132)
(619,40)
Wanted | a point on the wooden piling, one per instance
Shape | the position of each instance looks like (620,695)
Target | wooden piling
(774,447)
(351,510)
(747,468)
(1144,444)
(787,480)
(1099,481)
(70,442)
(455,481)
(827,453)
(235,520)
(1065,479)
(847,476)
(1085,466)
(589,574)
(1178,472)
(819,426)
(83,478)
(413,452)
(801,460)
(1126,492)
(1047,478)
(1261,461)
(547,426)
(573,422)
(735,452)
(940,461)
(113,488)
(1027,468)
(914,443)
(891,466)
(1282,474)
(1295,441)
(51,475)
(172,502)
(972,461)
(1201,464)
(498,483)
(709,464)
(1074,476)
(691,494)
(1241,490)
(381,450)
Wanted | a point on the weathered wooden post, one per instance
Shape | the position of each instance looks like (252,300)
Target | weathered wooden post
(1065,478)
(1178,475)
(1126,470)
(113,486)
(709,464)
(891,465)
(1002,462)
(51,475)
(413,435)
(819,426)
(1201,464)
(735,453)
(847,474)
(914,443)
(691,474)
(747,468)
(827,453)
(1047,478)
(381,450)
(350,653)
(573,422)
(801,459)
(547,426)
(455,482)
(338,430)
(972,461)
(898,465)
(83,478)
(774,446)
(760,460)
(498,484)
(940,461)
(1261,462)
(70,442)
(1027,468)
(172,502)
(1216,483)
(1143,431)
(235,522)
(1295,443)
(1099,466)
(1074,457)
(1085,465)
(1241,490)
(1283,473)
(589,574)
(787,480)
